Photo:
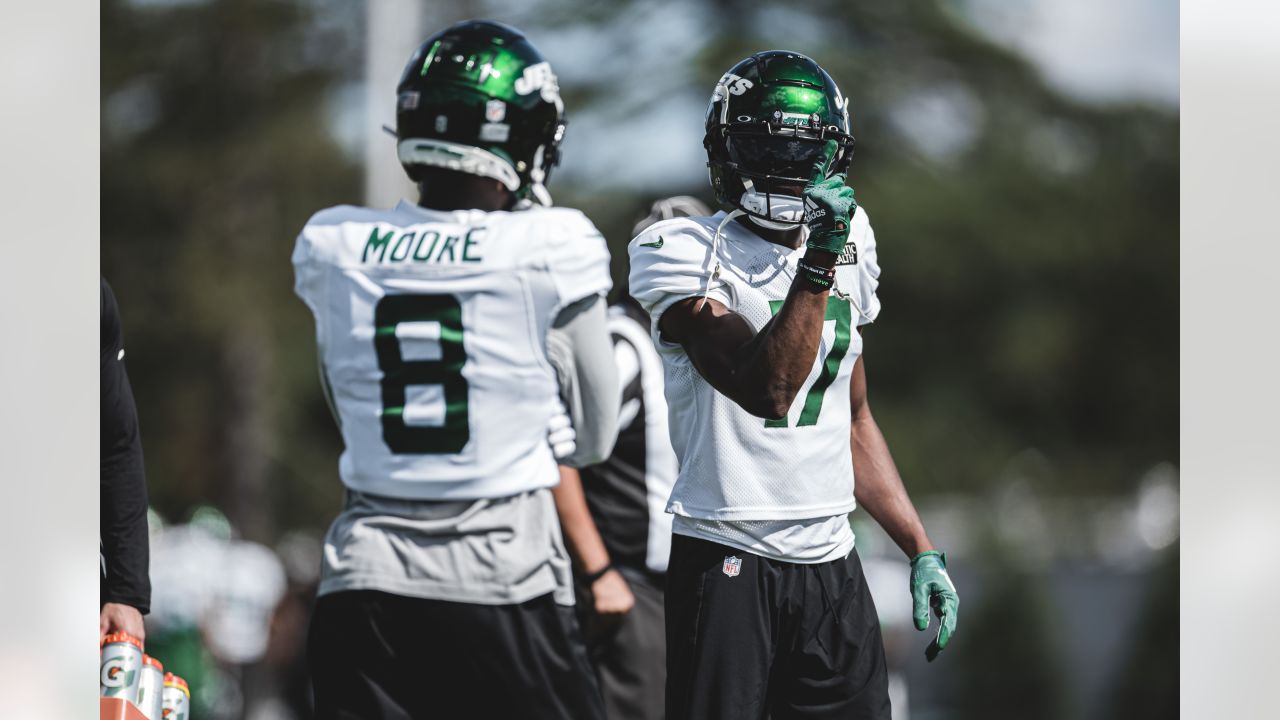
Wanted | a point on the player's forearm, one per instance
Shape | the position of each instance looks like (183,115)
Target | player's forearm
(779,359)
(580,533)
(879,490)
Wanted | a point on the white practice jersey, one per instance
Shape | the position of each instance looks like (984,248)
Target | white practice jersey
(432,340)
(735,466)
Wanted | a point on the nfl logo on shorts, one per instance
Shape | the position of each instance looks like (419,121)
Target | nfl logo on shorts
(732,565)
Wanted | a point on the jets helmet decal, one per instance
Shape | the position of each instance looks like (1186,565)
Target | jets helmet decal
(477,97)
(768,120)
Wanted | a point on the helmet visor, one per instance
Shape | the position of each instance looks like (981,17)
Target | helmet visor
(780,156)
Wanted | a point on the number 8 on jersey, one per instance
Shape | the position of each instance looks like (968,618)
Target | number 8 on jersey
(446,312)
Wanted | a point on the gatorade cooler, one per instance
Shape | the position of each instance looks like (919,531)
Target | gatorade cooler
(177,698)
(121,667)
(151,689)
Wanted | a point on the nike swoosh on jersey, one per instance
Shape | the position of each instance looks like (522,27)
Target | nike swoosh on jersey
(655,244)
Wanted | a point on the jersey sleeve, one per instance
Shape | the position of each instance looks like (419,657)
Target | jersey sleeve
(306,275)
(577,257)
(670,263)
(312,253)
(862,279)
(579,351)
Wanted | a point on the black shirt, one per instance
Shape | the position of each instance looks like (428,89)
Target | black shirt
(123,501)
(627,493)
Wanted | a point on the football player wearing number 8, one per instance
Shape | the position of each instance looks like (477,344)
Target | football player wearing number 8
(757,314)
(446,590)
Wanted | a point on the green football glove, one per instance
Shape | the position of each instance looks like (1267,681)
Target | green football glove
(828,204)
(931,586)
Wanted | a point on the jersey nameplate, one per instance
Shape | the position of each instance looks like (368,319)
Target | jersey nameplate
(427,246)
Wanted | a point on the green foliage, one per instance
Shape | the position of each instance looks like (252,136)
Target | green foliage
(215,150)
(1001,663)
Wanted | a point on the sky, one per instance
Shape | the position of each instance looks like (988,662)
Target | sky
(1094,50)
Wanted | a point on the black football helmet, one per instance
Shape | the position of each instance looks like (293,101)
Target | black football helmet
(479,98)
(769,117)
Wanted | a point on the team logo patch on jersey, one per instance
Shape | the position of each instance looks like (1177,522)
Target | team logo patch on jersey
(732,565)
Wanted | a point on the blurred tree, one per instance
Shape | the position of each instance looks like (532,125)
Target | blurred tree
(215,149)
(1002,661)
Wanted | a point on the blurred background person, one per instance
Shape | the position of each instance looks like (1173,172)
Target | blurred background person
(614,516)
(125,587)
(1023,156)
(216,595)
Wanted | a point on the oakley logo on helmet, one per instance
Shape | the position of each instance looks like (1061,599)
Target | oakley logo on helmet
(539,77)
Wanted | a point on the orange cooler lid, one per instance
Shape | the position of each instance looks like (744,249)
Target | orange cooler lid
(148,660)
(118,637)
(171,680)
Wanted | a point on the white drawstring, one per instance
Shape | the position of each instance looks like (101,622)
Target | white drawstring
(715,250)
(715,270)
(853,300)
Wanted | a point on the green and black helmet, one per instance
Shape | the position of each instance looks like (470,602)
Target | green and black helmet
(769,118)
(479,98)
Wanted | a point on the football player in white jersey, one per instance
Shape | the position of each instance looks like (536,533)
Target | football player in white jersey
(757,314)
(446,590)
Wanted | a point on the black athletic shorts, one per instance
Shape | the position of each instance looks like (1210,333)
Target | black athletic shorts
(377,656)
(749,637)
(629,652)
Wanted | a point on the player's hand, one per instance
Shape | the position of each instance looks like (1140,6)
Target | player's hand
(828,204)
(560,433)
(931,586)
(612,595)
(120,618)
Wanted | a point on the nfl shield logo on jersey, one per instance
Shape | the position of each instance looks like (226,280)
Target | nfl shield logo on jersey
(732,565)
